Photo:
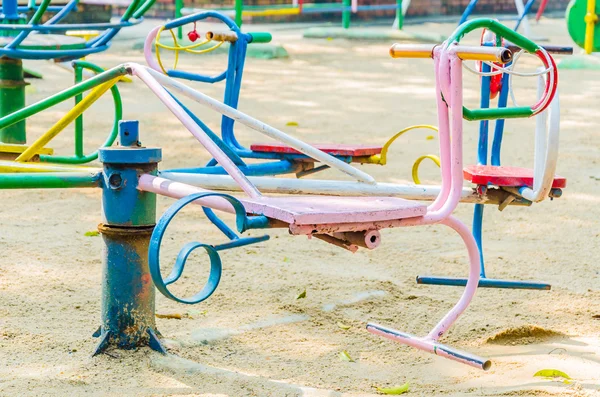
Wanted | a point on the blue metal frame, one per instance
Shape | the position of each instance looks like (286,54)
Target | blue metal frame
(473,3)
(281,163)
(12,12)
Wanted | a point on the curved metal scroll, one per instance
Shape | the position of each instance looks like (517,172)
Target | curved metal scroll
(243,223)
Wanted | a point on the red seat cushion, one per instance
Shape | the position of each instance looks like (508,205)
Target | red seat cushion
(334,149)
(505,176)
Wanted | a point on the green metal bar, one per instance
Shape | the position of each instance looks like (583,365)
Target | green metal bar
(239,10)
(495,27)
(37,16)
(12,99)
(79,120)
(143,8)
(131,9)
(62,96)
(80,157)
(399,15)
(346,14)
(496,113)
(261,37)
(50,180)
(178,14)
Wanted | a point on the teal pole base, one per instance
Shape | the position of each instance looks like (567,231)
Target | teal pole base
(129,215)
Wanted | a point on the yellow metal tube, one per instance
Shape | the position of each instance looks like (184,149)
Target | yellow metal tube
(66,120)
(16,148)
(382,157)
(468,53)
(222,36)
(415,168)
(268,13)
(14,167)
(591,18)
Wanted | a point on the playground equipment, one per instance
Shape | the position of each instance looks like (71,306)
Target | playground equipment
(522,12)
(494,185)
(298,7)
(582,21)
(497,83)
(129,182)
(31,39)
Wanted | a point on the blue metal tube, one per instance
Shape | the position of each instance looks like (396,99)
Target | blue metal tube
(9,9)
(482,153)
(526,10)
(499,127)
(62,13)
(51,54)
(468,11)
(215,138)
(71,26)
(483,283)
(482,147)
(270,168)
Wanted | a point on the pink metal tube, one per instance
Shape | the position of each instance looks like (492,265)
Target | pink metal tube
(148,43)
(430,346)
(456,156)
(429,343)
(472,282)
(449,84)
(177,190)
(444,137)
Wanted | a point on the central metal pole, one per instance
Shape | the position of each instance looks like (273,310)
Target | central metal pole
(12,98)
(128,220)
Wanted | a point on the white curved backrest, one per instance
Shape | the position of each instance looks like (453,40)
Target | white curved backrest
(547,131)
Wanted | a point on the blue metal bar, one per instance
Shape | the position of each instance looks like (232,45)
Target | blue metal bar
(9,9)
(499,127)
(270,168)
(62,13)
(484,283)
(235,68)
(482,147)
(468,10)
(482,153)
(37,16)
(477,234)
(215,138)
(180,74)
(71,26)
(240,242)
(51,54)
(526,10)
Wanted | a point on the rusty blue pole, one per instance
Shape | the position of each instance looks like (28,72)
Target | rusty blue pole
(128,221)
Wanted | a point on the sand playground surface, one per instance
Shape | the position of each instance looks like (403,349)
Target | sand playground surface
(253,337)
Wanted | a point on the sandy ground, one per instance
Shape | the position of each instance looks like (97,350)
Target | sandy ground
(253,337)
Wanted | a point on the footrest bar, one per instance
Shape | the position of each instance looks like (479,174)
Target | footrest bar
(484,283)
(430,346)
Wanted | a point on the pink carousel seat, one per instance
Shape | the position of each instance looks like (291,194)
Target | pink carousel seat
(316,210)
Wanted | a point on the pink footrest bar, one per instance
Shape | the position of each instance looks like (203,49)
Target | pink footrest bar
(430,346)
